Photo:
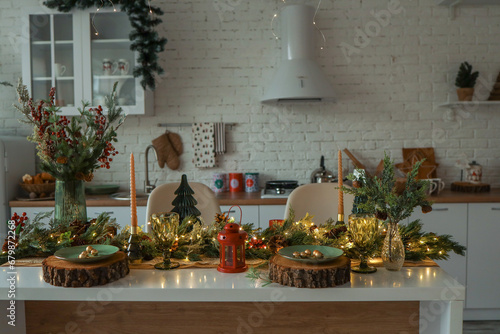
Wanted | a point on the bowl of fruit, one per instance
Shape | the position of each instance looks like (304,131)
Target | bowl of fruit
(41,185)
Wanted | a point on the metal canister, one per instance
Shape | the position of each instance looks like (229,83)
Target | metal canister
(251,182)
(235,182)
(219,183)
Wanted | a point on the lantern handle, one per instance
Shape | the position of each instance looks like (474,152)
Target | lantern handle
(241,212)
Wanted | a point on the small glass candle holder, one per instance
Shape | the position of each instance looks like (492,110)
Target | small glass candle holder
(164,229)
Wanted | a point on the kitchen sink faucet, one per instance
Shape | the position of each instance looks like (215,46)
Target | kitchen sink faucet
(148,187)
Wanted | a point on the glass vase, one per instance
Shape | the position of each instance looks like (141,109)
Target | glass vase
(393,251)
(70,202)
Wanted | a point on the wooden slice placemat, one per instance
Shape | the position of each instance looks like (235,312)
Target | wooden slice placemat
(69,274)
(305,275)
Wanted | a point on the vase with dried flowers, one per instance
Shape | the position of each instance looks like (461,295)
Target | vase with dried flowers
(71,149)
(392,201)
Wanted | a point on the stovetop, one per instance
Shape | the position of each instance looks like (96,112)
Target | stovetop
(271,193)
(278,188)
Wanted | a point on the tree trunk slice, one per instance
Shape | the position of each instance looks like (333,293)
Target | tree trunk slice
(304,275)
(69,274)
(467,187)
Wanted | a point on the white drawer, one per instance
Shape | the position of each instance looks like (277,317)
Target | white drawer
(269,212)
(250,213)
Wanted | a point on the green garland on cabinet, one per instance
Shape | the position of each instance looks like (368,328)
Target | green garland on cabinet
(145,40)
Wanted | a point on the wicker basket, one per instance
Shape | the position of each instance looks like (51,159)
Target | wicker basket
(38,189)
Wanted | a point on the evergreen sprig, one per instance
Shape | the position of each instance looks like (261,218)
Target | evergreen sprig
(385,198)
(38,239)
(420,245)
(145,40)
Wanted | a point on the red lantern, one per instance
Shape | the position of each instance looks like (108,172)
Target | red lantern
(232,249)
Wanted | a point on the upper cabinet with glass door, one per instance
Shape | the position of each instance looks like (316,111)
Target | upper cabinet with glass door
(51,58)
(83,54)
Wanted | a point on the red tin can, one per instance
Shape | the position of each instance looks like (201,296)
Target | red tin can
(236,182)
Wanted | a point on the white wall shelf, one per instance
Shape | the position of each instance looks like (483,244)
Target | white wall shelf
(114,40)
(452,3)
(469,103)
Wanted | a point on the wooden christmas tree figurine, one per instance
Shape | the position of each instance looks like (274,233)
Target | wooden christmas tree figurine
(184,203)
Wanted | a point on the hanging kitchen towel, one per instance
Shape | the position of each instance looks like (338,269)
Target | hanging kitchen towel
(203,145)
(220,138)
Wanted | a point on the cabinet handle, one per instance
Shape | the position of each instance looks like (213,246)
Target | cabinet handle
(495,209)
(108,212)
(231,211)
(440,209)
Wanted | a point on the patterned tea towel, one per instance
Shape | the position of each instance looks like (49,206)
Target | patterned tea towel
(203,145)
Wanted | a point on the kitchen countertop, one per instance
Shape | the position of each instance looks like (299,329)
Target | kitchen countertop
(439,310)
(198,285)
(242,198)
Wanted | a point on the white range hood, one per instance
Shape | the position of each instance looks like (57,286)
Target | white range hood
(299,77)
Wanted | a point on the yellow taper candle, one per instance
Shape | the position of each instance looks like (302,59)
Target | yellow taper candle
(341,193)
(133,203)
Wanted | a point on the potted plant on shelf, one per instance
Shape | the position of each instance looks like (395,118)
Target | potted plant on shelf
(465,82)
(392,201)
(71,149)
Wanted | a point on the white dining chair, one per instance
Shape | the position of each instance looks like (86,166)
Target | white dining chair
(160,200)
(319,200)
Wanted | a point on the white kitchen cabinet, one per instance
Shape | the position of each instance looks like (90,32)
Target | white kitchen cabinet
(258,215)
(483,269)
(269,212)
(448,219)
(250,213)
(70,51)
(31,212)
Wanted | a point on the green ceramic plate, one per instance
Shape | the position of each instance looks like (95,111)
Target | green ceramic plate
(329,253)
(71,253)
(101,189)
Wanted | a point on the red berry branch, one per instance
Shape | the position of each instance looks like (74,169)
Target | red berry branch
(71,149)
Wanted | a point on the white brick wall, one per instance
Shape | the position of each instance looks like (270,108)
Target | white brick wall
(221,55)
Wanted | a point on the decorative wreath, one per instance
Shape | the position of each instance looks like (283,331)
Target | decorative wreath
(145,40)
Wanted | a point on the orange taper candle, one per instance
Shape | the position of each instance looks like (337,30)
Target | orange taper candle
(341,193)
(133,203)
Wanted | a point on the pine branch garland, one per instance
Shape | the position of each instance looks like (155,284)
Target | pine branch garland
(196,240)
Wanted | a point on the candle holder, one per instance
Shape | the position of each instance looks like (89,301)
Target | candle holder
(134,249)
(364,230)
(232,248)
(164,229)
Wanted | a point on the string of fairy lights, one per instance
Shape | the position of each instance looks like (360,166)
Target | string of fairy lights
(323,38)
(114,10)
